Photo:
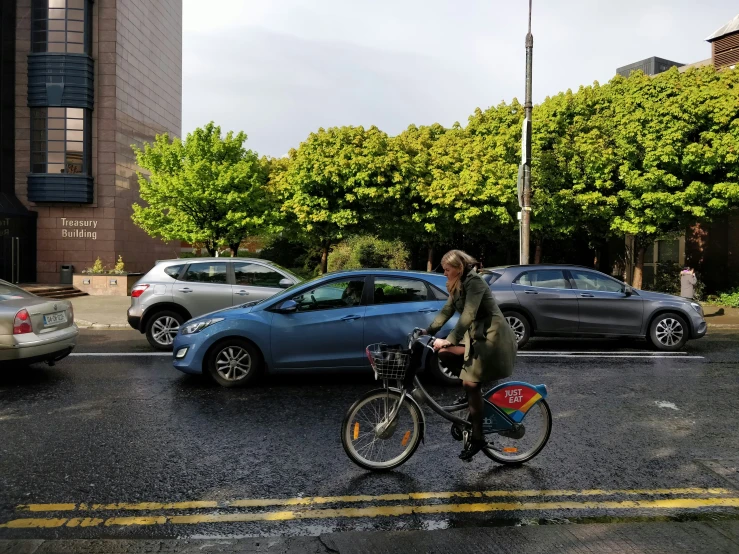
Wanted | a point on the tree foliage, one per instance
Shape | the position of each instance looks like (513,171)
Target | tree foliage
(640,157)
(207,188)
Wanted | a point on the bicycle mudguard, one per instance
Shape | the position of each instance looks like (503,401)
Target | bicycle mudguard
(515,398)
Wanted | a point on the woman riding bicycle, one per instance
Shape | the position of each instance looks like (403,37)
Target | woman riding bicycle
(489,345)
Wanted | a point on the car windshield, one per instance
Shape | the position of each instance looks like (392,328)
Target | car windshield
(288,290)
(9,292)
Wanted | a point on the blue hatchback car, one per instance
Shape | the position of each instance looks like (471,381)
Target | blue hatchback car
(324,323)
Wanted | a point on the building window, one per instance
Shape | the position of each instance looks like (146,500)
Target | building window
(60,26)
(59,142)
(668,251)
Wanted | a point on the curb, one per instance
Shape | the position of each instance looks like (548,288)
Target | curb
(84,324)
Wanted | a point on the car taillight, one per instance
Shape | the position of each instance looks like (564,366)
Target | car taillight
(22,323)
(138,290)
(71,313)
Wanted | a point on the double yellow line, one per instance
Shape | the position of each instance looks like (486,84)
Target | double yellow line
(676,498)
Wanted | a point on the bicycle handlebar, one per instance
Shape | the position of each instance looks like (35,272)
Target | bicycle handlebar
(416,335)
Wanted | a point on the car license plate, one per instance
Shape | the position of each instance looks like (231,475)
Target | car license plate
(55,319)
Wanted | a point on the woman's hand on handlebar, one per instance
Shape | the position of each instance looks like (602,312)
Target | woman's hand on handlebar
(441,343)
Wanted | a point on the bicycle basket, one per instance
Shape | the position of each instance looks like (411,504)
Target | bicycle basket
(389,362)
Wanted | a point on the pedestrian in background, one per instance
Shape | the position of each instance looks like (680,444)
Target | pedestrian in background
(687,283)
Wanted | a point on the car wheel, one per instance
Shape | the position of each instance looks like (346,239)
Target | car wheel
(520,326)
(668,332)
(162,328)
(439,373)
(234,363)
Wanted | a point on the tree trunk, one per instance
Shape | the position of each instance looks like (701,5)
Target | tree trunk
(637,281)
(234,249)
(537,253)
(430,259)
(211,248)
(596,259)
(324,257)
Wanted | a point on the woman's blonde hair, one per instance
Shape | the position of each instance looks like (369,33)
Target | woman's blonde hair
(461,260)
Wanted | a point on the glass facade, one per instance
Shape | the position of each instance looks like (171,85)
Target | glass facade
(60,140)
(59,26)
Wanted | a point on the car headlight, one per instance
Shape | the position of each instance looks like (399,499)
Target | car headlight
(198,326)
(697,307)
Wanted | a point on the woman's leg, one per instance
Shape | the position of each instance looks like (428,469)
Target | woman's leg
(474,397)
(453,358)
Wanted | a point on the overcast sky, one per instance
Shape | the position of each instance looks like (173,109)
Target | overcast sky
(279,69)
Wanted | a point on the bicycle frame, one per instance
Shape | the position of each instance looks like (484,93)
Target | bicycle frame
(444,411)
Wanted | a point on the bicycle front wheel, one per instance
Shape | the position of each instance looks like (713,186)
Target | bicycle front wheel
(371,440)
(512,449)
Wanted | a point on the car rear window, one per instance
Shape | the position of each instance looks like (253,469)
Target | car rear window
(8,292)
(491,276)
(174,270)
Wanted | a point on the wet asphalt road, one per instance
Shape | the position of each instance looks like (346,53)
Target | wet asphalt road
(122,429)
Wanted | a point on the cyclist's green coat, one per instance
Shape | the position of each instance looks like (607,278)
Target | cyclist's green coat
(490,344)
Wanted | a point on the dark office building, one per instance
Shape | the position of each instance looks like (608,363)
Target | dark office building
(650,66)
(17,224)
(82,80)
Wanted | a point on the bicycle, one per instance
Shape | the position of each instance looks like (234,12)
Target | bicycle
(383,429)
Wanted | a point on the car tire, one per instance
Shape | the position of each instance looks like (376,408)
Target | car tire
(520,325)
(234,362)
(161,329)
(440,374)
(669,332)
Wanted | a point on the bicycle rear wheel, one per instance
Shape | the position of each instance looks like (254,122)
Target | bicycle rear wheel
(537,426)
(373,445)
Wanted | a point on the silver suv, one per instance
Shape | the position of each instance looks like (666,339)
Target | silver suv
(177,290)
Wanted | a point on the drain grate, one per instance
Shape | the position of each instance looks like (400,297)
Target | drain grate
(728,470)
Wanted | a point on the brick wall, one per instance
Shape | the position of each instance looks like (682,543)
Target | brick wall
(148,73)
(137,48)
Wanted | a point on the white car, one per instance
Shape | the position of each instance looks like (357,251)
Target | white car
(34,329)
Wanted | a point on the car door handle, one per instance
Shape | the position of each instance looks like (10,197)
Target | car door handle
(587,295)
(531,292)
(428,310)
(185,290)
(351,317)
(243,293)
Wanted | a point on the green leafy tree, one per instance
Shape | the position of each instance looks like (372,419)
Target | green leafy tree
(334,185)
(414,210)
(574,168)
(206,189)
(368,251)
(677,144)
(488,181)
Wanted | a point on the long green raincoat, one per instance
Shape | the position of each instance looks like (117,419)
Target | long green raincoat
(490,344)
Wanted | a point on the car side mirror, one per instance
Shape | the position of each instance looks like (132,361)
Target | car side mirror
(288,307)
(285,283)
(628,291)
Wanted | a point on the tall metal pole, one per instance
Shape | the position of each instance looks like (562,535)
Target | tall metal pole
(526,154)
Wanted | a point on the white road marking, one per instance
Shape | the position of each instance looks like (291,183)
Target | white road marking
(663,404)
(105,354)
(640,352)
(581,355)
(644,356)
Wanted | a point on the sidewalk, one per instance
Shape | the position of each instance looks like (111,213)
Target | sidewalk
(708,537)
(101,312)
(721,318)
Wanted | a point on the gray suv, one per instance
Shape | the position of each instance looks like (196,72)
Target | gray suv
(177,290)
(559,300)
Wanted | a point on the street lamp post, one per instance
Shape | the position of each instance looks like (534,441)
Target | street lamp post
(525,199)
